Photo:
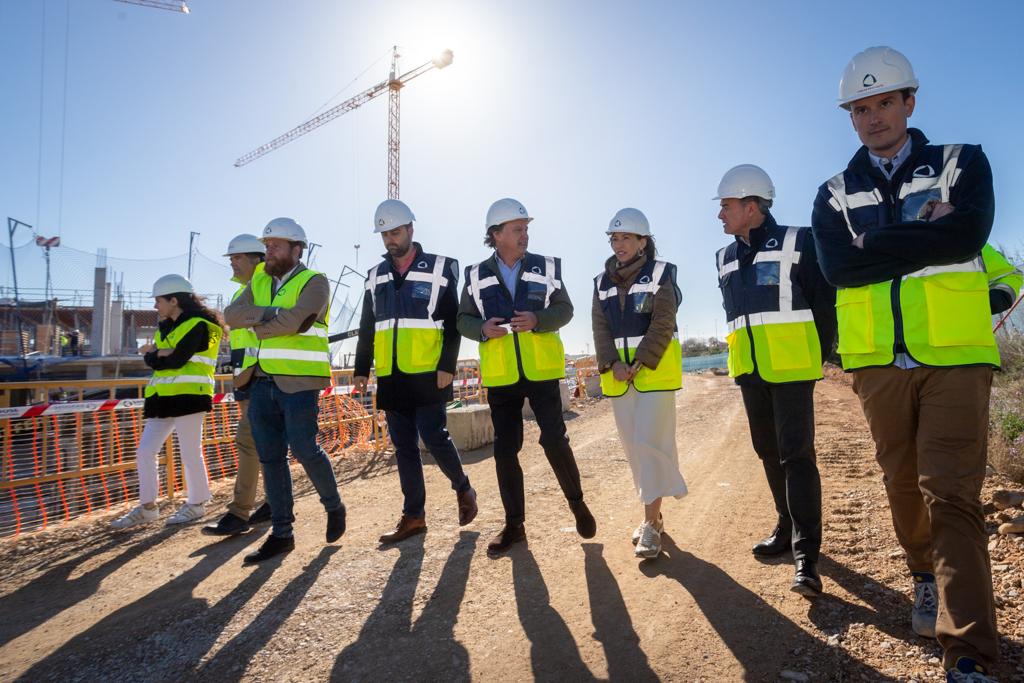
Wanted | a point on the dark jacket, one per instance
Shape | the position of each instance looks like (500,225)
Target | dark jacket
(809,282)
(196,340)
(663,321)
(894,247)
(399,391)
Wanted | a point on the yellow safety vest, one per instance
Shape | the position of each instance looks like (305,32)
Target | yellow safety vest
(303,354)
(629,325)
(943,311)
(243,338)
(405,328)
(769,321)
(196,375)
(1002,275)
(540,354)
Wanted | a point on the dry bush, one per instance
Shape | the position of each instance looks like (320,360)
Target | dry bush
(1006,417)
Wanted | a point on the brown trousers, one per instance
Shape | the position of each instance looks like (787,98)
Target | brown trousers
(247,478)
(930,427)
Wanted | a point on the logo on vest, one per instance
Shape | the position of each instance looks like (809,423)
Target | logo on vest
(869,80)
(422,265)
(925,171)
(535,270)
(644,279)
(771,244)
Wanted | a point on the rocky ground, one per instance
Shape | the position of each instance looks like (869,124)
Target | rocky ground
(81,603)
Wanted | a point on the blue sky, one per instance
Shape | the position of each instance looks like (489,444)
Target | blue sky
(577,109)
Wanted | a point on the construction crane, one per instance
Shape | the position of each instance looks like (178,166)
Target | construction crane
(393,86)
(172,5)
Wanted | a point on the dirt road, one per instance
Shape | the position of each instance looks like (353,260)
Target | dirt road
(80,603)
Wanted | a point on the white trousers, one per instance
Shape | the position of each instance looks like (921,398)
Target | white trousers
(647,428)
(189,432)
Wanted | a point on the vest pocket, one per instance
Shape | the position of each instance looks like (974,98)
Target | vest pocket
(787,346)
(958,309)
(856,322)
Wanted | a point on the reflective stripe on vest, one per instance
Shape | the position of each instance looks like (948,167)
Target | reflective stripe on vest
(409,334)
(540,354)
(944,310)
(304,354)
(195,377)
(243,338)
(781,345)
(628,327)
(1002,275)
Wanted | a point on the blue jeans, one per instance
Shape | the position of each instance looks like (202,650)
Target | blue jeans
(280,421)
(430,423)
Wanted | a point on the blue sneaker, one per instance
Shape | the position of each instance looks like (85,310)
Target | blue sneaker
(968,671)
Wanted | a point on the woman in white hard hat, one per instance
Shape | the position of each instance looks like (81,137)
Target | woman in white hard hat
(638,354)
(180,393)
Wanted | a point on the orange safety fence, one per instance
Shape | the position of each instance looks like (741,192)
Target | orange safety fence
(61,460)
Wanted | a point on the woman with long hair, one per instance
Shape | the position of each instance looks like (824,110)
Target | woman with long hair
(183,357)
(638,354)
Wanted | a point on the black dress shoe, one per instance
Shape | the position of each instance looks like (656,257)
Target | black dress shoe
(806,582)
(506,538)
(779,542)
(261,515)
(335,524)
(272,547)
(586,525)
(228,525)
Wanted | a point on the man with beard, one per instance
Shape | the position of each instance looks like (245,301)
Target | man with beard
(513,305)
(408,330)
(286,307)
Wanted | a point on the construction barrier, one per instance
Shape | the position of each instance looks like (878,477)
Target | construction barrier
(62,460)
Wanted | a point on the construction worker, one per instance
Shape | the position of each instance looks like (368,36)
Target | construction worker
(636,341)
(513,305)
(246,254)
(1004,279)
(781,316)
(178,396)
(286,305)
(900,233)
(408,331)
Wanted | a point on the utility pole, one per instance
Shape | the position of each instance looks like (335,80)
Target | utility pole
(12,226)
(309,254)
(191,240)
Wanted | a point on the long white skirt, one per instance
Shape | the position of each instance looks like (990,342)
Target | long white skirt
(647,428)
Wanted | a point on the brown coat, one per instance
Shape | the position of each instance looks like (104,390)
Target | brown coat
(663,318)
(266,322)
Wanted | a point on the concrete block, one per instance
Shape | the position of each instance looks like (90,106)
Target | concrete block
(593,386)
(470,427)
(563,389)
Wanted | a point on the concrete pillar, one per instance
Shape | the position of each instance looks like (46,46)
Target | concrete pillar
(98,339)
(115,325)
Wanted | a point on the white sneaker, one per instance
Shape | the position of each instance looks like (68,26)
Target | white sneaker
(187,513)
(649,544)
(659,525)
(138,515)
(926,608)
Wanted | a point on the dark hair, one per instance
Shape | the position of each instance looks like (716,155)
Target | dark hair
(196,305)
(489,237)
(651,250)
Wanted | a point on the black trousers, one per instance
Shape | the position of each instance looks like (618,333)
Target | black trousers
(781,418)
(507,416)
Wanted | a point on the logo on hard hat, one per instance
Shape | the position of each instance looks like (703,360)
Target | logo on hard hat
(618,222)
(869,80)
(266,230)
(380,221)
(522,210)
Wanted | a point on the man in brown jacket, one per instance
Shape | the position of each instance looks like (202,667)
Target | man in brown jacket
(286,307)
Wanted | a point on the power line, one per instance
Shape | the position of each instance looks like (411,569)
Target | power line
(42,94)
(64,117)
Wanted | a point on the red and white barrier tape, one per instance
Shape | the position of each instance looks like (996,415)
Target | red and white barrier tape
(46,409)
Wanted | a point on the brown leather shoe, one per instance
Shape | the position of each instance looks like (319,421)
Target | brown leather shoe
(506,538)
(407,526)
(467,506)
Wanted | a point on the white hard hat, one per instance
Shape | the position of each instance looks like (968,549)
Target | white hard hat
(392,214)
(745,180)
(630,220)
(285,229)
(874,71)
(172,284)
(245,244)
(505,210)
